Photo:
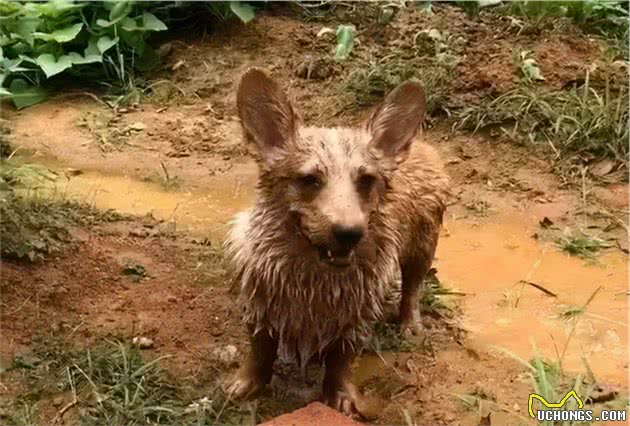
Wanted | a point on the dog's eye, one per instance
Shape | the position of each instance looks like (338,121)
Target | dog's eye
(366,182)
(309,181)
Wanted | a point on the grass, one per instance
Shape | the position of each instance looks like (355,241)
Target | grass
(33,223)
(573,122)
(113,383)
(431,60)
(584,247)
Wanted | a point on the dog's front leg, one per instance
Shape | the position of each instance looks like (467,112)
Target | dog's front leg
(338,390)
(257,370)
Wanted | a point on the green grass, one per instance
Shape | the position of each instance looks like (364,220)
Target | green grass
(584,247)
(113,383)
(35,223)
(370,83)
(606,17)
(573,122)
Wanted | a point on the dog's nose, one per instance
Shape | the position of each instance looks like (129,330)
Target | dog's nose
(347,236)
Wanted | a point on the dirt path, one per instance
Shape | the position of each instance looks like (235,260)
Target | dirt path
(184,166)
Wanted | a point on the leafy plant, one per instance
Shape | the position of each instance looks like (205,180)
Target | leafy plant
(608,17)
(529,67)
(223,10)
(345,41)
(104,40)
(41,40)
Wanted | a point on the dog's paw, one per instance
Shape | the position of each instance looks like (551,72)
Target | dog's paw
(243,386)
(354,404)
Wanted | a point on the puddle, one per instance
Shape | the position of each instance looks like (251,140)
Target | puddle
(488,261)
(198,212)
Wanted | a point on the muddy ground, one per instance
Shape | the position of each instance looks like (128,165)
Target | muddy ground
(177,163)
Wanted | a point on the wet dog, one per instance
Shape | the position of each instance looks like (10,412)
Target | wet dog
(340,214)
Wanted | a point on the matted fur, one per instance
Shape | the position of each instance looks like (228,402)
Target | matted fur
(289,293)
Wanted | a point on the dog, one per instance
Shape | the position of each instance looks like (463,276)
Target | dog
(340,214)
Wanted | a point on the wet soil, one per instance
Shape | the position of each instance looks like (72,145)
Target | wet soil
(179,162)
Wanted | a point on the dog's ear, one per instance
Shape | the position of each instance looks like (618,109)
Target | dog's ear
(394,124)
(266,114)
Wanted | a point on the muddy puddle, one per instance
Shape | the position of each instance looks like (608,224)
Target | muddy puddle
(199,212)
(488,261)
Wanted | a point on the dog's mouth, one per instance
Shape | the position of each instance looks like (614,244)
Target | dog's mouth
(340,258)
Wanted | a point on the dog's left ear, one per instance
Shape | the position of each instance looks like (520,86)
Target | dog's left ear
(395,123)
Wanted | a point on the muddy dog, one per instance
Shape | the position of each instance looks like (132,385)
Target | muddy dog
(340,214)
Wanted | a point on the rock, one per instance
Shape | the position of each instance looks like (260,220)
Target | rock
(227,355)
(137,126)
(58,401)
(143,342)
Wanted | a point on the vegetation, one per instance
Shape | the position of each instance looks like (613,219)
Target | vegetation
(607,17)
(104,41)
(34,223)
(575,121)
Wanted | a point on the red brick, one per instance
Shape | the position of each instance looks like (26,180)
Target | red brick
(314,414)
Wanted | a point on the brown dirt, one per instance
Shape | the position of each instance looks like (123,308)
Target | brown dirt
(492,238)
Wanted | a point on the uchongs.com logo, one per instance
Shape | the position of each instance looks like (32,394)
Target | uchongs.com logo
(556,411)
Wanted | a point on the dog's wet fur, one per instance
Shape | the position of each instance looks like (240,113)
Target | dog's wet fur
(340,214)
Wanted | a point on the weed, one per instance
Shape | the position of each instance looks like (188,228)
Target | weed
(608,17)
(578,121)
(168,182)
(528,67)
(113,383)
(370,83)
(584,247)
(433,299)
(33,224)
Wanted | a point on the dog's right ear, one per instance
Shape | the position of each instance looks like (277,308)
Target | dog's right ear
(266,114)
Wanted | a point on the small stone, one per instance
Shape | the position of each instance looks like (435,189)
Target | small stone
(137,126)
(516,407)
(143,342)
(226,355)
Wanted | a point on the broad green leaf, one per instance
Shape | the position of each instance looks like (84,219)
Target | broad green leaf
(55,8)
(52,66)
(244,12)
(78,59)
(129,24)
(26,27)
(345,41)
(12,65)
(61,36)
(151,23)
(119,11)
(104,43)
(24,95)
(4,92)
(92,47)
